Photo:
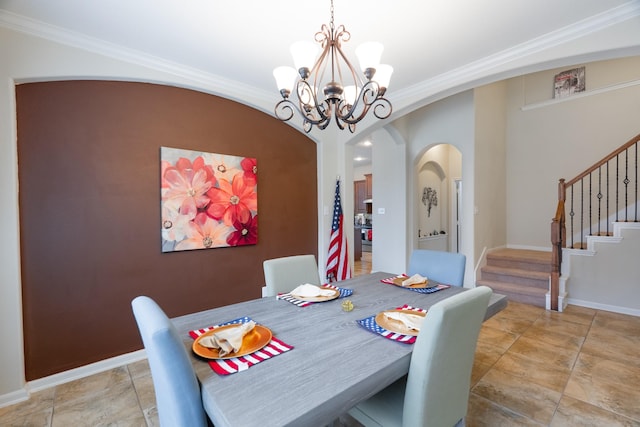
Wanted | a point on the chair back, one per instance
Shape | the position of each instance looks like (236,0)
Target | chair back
(443,267)
(285,274)
(178,397)
(437,390)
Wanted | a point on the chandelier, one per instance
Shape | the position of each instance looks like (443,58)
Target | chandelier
(327,85)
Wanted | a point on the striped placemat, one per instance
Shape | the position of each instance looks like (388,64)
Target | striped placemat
(344,292)
(370,324)
(237,364)
(389,281)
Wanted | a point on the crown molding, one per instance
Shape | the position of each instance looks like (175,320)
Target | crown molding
(194,77)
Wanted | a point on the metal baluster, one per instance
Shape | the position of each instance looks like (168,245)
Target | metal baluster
(626,185)
(607,198)
(590,216)
(581,212)
(599,196)
(572,214)
(617,185)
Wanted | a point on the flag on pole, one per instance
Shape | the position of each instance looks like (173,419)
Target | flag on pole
(338,259)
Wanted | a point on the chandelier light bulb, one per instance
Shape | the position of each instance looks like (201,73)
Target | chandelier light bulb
(369,55)
(383,75)
(304,55)
(285,78)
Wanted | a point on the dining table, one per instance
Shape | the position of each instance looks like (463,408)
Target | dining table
(330,363)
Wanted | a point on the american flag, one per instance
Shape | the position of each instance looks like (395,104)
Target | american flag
(338,259)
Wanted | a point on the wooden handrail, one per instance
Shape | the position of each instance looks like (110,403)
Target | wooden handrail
(610,156)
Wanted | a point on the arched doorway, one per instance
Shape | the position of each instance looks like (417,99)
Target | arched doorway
(438,204)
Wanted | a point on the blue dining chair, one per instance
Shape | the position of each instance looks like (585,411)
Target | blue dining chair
(286,273)
(177,389)
(443,267)
(435,393)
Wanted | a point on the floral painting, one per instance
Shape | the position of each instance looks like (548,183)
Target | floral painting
(207,200)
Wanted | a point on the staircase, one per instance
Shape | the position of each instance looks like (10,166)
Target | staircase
(522,275)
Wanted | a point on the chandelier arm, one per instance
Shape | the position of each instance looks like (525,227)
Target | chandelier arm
(285,109)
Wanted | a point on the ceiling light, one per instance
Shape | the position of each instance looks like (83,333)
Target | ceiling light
(328,85)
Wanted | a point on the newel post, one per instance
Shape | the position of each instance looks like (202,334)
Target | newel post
(557,243)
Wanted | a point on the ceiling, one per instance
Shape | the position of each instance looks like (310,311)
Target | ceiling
(237,44)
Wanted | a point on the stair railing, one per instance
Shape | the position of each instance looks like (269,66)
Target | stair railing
(603,193)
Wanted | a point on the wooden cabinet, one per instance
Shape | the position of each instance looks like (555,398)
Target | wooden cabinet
(357,244)
(359,195)
(368,179)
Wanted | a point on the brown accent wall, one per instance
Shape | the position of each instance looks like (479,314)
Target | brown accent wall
(89,174)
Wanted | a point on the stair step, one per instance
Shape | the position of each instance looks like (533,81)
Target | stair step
(516,276)
(523,294)
(522,259)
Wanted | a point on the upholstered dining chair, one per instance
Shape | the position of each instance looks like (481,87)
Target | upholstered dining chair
(435,393)
(177,390)
(284,274)
(443,267)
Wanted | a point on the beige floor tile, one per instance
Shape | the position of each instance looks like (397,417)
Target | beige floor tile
(507,324)
(553,339)
(613,344)
(115,406)
(516,310)
(479,370)
(151,417)
(573,314)
(90,386)
(548,354)
(536,371)
(139,369)
(39,418)
(608,384)
(484,413)
(622,323)
(497,338)
(487,353)
(572,412)
(559,326)
(530,400)
(146,393)
(39,401)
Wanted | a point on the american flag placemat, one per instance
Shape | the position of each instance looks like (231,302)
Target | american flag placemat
(237,364)
(370,324)
(344,292)
(389,281)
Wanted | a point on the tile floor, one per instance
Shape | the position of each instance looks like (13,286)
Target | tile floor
(532,368)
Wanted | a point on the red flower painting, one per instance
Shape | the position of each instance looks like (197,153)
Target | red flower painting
(207,200)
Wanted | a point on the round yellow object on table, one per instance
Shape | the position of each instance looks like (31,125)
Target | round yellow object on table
(347,305)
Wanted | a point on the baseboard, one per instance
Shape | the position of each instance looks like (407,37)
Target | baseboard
(13,397)
(85,371)
(605,307)
(70,375)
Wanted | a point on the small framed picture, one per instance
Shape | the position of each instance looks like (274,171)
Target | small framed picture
(569,82)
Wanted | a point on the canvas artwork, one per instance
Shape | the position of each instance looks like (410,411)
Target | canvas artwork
(569,82)
(207,200)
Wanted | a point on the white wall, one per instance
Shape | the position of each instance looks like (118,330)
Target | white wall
(609,279)
(450,121)
(490,214)
(389,202)
(546,142)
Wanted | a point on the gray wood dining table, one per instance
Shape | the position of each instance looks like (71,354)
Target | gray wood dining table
(335,362)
